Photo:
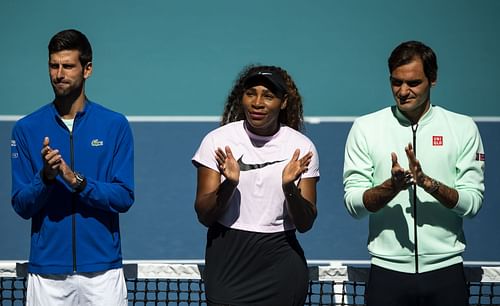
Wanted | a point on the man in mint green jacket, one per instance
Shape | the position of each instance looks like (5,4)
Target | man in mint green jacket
(416,170)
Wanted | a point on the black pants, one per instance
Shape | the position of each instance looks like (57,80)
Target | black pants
(443,287)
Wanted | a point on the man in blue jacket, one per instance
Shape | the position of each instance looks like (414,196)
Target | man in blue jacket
(72,174)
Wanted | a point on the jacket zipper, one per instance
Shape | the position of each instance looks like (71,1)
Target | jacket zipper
(415,236)
(73,204)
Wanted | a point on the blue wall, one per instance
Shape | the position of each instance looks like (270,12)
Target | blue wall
(162,223)
(157,57)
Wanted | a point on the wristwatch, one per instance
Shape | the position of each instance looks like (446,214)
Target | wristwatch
(81,182)
(434,186)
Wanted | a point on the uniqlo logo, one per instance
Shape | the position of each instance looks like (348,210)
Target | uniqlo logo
(437,140)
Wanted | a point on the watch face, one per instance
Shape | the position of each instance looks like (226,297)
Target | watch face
(79,177)
(80,182)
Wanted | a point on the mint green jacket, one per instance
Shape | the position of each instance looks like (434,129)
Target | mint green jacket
(449,148)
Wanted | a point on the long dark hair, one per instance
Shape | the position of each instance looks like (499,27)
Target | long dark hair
(291,116)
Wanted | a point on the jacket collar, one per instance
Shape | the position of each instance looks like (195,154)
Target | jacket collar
(86,108)
(403,120)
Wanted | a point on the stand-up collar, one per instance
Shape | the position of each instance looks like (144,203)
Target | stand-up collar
(403,120)
(86,107)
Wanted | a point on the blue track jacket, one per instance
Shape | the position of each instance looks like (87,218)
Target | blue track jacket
(74,232)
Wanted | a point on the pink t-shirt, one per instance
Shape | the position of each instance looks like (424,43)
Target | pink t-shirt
(258,204)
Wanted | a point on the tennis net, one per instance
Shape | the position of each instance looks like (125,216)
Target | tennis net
(179,282)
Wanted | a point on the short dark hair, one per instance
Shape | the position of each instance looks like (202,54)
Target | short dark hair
(407,51)
(72,40)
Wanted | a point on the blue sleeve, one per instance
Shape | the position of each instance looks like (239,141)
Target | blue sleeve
(117,195)
(29,193)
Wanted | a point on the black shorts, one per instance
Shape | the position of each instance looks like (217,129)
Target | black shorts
(442,287)
(248,268)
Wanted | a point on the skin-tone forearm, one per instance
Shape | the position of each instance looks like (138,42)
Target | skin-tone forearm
(302,211)
(212,197)
(447,196)
(210,206)
(301,200)
(377,197)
